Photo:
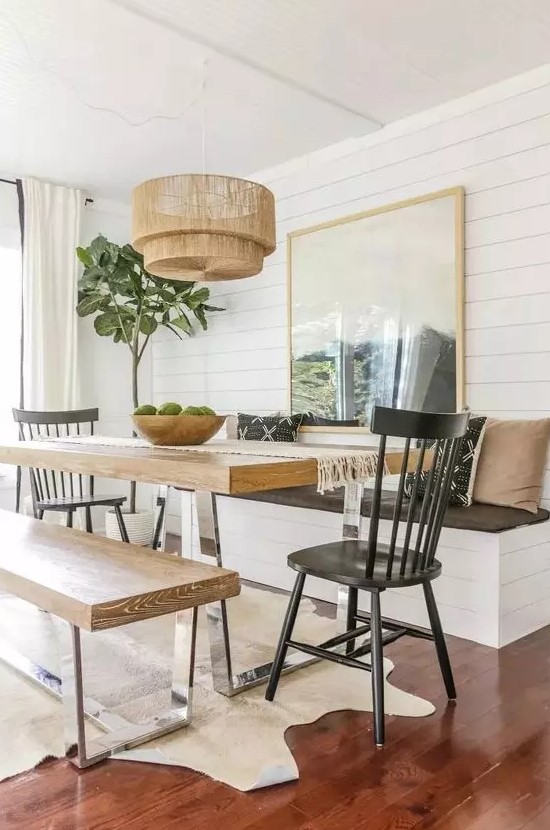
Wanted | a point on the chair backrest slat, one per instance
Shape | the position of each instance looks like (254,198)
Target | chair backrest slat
(35,424)
(375,518)
(412,506)
(398,505)
(440,435)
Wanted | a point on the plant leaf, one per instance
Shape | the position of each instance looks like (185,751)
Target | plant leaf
(96,248)
(176,332)
(169,296)
(88,305)
(147,325)
(85,257)
(201,317)
(182,323)
(106,324)
(198,297)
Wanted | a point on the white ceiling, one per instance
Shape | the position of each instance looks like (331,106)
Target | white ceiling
(283,77)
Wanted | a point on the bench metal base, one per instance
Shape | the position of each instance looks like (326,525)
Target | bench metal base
(120,734)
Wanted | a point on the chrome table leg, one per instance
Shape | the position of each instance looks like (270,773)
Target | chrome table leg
(224,680)
(120,734)
(351,529)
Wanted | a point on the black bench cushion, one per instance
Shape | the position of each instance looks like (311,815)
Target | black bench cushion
(482,517)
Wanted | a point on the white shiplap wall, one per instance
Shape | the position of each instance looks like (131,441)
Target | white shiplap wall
(496,143)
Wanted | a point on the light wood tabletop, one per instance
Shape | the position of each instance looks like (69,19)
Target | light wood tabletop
(217,472)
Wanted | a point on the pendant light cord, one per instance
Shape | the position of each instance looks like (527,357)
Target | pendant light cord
(203,115)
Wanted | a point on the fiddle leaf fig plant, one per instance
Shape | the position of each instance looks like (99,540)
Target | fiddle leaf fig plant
(130,304)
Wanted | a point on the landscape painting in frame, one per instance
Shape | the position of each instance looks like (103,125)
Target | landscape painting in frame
(376,309)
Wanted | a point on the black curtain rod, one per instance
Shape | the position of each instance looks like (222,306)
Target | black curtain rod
(87,201)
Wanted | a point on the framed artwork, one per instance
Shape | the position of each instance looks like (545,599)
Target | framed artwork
(376,311)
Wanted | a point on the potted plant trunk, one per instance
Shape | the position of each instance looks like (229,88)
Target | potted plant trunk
(129,305)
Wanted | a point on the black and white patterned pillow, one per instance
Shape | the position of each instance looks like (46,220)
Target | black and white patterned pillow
(462,484)
(268,427)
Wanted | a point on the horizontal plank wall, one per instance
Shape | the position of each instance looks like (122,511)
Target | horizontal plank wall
(496,143)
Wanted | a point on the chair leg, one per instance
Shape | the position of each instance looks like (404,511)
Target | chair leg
(160,528)
(89,527)
(377,669)
(286,633)
(39,514)
(440,644)
(351,622)
(121,526)
(69,518)
(18,491)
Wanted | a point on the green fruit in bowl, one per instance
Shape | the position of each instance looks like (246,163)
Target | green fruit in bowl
(169,408)
(197,410)
(146,409)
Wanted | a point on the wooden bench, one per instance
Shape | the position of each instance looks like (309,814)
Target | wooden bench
(95,584)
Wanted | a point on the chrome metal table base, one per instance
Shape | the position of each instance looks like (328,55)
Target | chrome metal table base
(351,529)
(120,733)
(224,680)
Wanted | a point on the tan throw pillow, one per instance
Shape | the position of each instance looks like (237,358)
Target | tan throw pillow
(512,462)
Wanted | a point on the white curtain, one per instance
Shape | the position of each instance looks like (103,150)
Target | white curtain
(52,218)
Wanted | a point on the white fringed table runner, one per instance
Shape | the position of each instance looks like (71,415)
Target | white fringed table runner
(335,466)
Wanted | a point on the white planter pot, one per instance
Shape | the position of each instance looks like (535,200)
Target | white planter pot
(140,526)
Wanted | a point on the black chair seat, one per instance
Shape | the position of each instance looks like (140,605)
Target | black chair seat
(345,562)
(74,502)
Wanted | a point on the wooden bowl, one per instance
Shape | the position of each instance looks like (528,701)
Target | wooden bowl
(177,430)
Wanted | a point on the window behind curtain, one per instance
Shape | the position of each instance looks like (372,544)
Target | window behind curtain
(10,312)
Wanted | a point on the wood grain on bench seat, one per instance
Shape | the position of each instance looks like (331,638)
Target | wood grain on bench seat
(97,583)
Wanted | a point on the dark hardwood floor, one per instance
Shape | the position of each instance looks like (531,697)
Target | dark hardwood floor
(482,764)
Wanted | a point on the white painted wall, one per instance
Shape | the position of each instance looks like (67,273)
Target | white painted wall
(496,143)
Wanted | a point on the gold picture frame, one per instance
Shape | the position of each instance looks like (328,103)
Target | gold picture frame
(457,194)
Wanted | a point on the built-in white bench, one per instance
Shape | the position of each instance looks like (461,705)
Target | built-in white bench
(495,586)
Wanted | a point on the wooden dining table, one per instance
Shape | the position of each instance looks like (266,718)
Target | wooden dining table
(208,475)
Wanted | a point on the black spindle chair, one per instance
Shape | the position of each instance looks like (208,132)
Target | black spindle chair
(407,558)
(58,491)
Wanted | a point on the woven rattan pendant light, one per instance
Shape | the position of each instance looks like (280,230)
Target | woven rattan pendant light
(203,227)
